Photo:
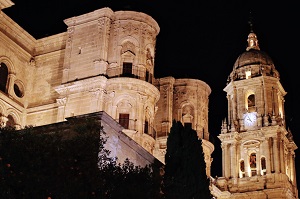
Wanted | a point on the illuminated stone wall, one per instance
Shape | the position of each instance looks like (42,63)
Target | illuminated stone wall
(82,71)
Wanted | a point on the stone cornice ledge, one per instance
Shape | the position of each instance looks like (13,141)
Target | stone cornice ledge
(16,33)
(6,4)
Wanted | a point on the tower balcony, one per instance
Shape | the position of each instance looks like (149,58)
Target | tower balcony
(136,72)
(131,124)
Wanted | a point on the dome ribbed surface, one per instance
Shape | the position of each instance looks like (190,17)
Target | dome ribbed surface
(252,57)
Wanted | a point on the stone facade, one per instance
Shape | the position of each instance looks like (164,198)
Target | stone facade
(103,62)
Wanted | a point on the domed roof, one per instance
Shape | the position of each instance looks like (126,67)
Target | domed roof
(253,62)
(251,57)
(253,54)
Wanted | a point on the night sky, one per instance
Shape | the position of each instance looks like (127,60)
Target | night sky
(197,39)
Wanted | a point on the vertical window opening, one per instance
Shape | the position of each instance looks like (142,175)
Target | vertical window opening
(147,76)
(263,165)
(251,103)
(3,77)
(252,163)
(127,69)
(124,120)
(146,127)
(242,168)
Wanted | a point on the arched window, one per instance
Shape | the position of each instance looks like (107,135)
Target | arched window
(3,77)
(263,165)
(242,166)
(242,169)
(10,122)
(252,163)
(251,103)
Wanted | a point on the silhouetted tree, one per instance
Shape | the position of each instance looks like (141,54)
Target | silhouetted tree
(66,163)
(185,169)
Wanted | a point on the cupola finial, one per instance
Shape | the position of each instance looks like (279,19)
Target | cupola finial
(250,21)
(252,39)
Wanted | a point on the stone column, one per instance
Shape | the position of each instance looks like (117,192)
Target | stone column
(293,170)
(223,159)
(10,86)
(3,121)
(234,108)
(258,159)
(276,156)
(247,165)
(268,155)
(238,157)
(227,161)
(233,160)
(289,165)
(229,108)
(61,108)
(282,158)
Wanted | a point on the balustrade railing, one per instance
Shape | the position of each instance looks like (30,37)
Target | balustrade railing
(131,124)
(137,73)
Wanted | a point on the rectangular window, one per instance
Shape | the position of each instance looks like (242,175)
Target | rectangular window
(127,69)
(124,120)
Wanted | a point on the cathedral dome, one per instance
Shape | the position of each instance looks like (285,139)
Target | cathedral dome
(253,62)
(253,57)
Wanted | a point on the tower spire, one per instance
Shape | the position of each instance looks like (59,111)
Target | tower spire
(250,21)
(252,38)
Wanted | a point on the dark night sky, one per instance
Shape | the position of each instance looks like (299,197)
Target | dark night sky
(197,39)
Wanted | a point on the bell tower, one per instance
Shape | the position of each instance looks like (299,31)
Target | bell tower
(258,157)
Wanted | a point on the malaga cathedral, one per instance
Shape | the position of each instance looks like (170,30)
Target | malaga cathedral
(102,66)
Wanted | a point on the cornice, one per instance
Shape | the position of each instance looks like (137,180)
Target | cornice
(16,33)
(89,84)
(6,41)
(6,4)
(91,16)
(51,44)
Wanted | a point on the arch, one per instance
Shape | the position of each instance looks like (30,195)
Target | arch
(250,103)
(186,102)
(251,143)
(13,118)
(242,168)
(126,110)
(130,39)
(120,98)
(8,63)
(128,46)
(6,68)
(188,114)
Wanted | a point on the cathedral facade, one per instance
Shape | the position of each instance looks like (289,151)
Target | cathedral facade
(104,62)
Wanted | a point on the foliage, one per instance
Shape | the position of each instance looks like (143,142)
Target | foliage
(68,163)
(185,169)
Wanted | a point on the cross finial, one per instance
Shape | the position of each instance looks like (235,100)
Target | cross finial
(250,21)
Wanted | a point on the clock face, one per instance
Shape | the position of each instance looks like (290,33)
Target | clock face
(250,119)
